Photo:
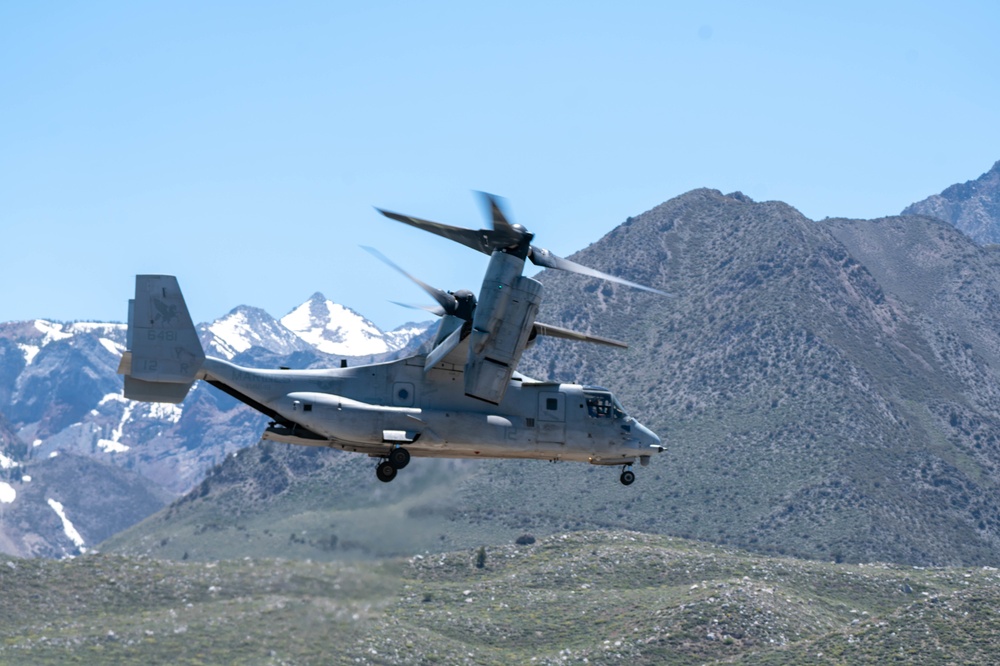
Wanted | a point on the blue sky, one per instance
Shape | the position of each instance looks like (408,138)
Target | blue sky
(242,146)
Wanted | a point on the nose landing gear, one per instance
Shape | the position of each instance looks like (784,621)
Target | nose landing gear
(387,467)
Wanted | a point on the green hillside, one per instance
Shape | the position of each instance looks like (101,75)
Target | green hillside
(580,597)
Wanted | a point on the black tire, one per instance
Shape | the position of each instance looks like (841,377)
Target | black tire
(399,457)
(385,471)
(628,476)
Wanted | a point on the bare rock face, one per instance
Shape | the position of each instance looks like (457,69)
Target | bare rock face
(973,207)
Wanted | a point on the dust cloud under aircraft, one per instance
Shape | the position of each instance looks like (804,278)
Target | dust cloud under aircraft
(462,398)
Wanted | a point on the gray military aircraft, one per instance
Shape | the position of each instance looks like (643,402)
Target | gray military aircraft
(461,399)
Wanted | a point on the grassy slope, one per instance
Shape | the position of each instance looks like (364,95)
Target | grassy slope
(609,597)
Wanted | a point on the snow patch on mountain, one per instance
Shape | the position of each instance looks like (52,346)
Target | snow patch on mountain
(30,352)
(234,332)
(114,445)
(32,336)
(51,331)
(401,336)
(164,411)
(111,446)
(68,527)
(335,329)
(100,328)
(112,346)
(112,397)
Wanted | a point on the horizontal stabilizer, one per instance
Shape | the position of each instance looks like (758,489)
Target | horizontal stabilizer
(136,389)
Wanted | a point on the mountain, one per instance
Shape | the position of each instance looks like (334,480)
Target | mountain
(246,327)
(337,330)
(66,504)
(61,396)
(825,389)
(973,207)
(602,597)
(811,404)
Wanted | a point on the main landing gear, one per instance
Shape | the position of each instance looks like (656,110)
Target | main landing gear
(628,476)
(387,467)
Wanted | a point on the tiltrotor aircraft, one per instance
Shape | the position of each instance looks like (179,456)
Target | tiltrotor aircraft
(461,399)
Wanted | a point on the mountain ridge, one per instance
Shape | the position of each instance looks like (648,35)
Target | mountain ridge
(972,206)
(60,395)
(819,394)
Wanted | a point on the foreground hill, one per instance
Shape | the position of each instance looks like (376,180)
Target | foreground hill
(598,597)
(825,389)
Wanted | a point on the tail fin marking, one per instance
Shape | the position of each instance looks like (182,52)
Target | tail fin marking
(164,351)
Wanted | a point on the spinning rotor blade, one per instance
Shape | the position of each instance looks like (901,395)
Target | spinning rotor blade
(502,229)
(509,237)
(542,257)
(477,240)
(566,334)
(437,311)
(502,235)
(448,303)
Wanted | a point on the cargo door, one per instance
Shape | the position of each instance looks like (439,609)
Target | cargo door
(551,426)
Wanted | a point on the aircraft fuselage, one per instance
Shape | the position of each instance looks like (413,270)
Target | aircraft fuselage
(375,408)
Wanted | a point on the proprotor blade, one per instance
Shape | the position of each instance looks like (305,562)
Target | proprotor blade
(542,257)
(433,309)
(504,231)
(448,302)
(477,240)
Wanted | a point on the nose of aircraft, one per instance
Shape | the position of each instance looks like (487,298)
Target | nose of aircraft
(647,437)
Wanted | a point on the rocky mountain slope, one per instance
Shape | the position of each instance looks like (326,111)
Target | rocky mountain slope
(60,396)
(973,207)
(825,390)
(813,405)
(582,597)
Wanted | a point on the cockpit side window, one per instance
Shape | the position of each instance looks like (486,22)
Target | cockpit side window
(603,406)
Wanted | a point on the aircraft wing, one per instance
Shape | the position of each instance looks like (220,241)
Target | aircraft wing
(566,334)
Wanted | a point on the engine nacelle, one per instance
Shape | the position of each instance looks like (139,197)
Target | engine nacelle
(505,316)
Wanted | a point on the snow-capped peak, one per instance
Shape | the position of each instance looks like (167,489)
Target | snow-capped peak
(335,329)
(245,327)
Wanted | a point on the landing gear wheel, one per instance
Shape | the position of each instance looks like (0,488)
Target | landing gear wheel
(627,477)
(385,471)
(399,457)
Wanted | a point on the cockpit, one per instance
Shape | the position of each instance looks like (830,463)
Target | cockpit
(601,404)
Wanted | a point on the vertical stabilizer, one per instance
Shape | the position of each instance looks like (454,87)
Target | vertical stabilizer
(164,354)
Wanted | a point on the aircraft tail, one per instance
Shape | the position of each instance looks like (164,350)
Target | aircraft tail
(164,354)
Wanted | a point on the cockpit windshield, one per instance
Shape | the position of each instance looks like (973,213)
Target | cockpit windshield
(603,405)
